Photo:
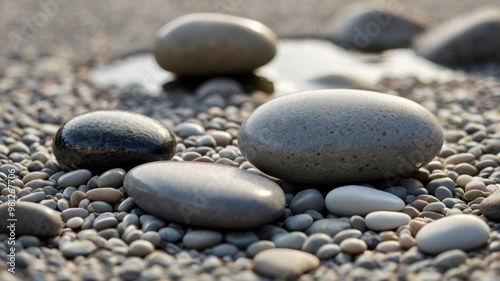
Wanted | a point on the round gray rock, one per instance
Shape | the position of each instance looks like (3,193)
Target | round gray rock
(463,232)
(309,199)
(333,136)
(101,140)
(206,195)
(213,44)
(32,219)
(352,200)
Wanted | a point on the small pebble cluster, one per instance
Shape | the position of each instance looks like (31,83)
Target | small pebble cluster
(389,190)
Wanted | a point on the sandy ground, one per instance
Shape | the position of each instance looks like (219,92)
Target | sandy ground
(95,30)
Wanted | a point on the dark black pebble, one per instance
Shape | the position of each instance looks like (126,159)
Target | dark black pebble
(101,140)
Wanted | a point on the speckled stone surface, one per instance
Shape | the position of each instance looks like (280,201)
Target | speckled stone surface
(212,44)
(202,194)
(31,219)
(372,26)
(102,140)
(334,136)
(464,39)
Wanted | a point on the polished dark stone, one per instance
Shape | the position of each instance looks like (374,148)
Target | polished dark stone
(101,140)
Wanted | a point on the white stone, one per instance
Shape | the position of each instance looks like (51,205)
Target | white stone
(352,200)
(384,220)
(463,232)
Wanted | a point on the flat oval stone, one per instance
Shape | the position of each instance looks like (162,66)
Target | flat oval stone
(284,263)
(32,219)
(207,195)
(213,44)
(383,220)
(335,136)
(352,200)
(101,140)
(463,232)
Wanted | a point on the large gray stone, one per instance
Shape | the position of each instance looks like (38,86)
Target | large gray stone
(463,40)
(369,26)
(101,140)
(213,44)
(332,136)
(30,219)
(207,195)
(463,232)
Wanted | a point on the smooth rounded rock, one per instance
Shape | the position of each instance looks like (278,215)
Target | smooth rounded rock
(213,44)
(106,194)
(77,248)
(201,239)
(204,194)
(490,207)
(464,39)
(369,26)
(352,200)
(335,136)
(32,219)
(309,199)
(111,178)
(463,232)
(284,263)
(101,140)
(75,178)
(353,246)
(383,220)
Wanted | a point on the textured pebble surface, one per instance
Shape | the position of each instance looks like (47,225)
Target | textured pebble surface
(363,136)
(109,222)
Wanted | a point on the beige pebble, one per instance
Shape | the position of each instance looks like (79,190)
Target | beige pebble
(460,158)
(463,180)
(415,225)
(35,176)
(388,236)
(204,159)
(389,246)
(76,198)
(74,223)
(282,264)
(140,248)
(353,246)
(106,194)
(475,185)
(407,241)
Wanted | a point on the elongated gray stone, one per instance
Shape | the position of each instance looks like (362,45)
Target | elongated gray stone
(202,194)
(352,200)
(284,263)
(335,136)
